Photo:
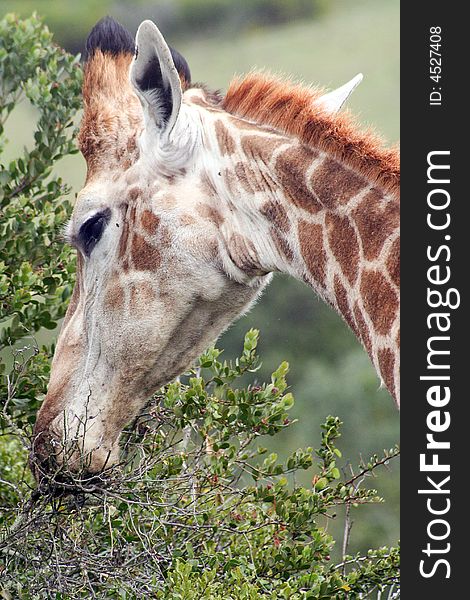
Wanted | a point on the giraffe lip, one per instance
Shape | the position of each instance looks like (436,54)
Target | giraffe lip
(57,479)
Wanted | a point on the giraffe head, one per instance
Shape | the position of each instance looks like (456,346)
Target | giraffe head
(151,289)
(162,269)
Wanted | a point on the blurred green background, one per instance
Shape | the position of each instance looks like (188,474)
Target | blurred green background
(324,42)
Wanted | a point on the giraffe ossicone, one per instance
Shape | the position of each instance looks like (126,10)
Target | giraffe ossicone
(334,101)
(192,201)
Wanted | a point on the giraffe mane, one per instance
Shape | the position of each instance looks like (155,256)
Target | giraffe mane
(290,108)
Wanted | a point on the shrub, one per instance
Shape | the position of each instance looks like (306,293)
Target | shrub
(198,508)
(36,268)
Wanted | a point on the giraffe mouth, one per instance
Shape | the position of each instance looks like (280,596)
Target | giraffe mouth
(57,481)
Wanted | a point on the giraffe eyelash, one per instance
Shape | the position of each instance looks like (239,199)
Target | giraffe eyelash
(66,232)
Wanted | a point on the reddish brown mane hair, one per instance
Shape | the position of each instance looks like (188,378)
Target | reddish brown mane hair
(290,108)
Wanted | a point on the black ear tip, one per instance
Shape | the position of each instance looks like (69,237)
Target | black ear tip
(181,65)
(110,37)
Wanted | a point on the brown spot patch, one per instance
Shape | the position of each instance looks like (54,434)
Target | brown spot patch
(387,365)
(134,193)
(380,301)
(210,214)
(282,244)
(225,139)
(150,222)
(244,255)
(313,252)
(261,146)
(276,213)
(344,245)
(362,328)
(114,297)
(376,220)
(142,295)
(342,302)
(186,220)
(210,249)
(250,180)
(246,125)
(335,184)
(393,262)
(145,257)
(291,166)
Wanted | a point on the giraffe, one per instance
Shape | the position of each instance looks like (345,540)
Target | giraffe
(192,201)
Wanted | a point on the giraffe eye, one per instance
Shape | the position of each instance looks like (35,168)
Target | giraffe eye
(91,231)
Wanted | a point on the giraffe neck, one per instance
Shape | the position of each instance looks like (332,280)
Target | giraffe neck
(300,211)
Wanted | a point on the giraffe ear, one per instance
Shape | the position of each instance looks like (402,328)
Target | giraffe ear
(156,74)
(333,101)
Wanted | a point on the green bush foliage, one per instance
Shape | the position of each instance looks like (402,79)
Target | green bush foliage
(36,268)
(198,508)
